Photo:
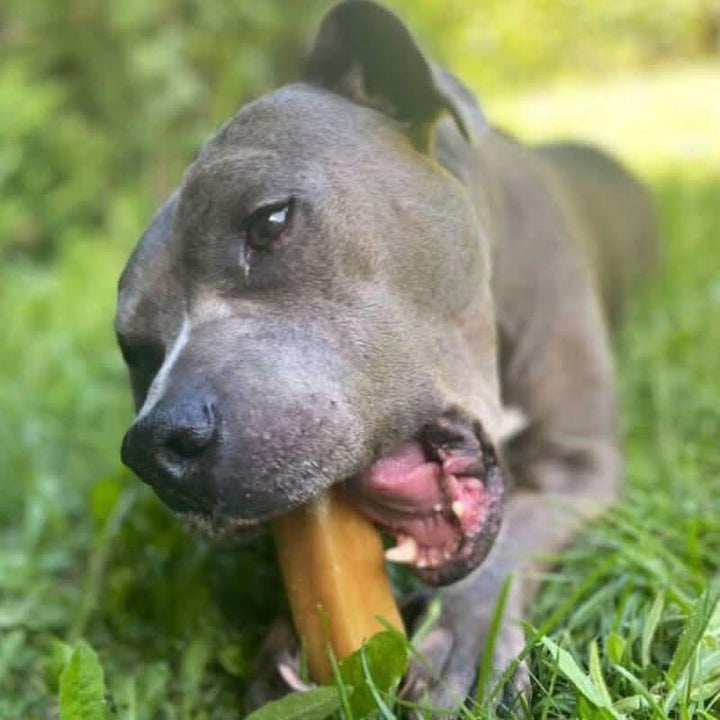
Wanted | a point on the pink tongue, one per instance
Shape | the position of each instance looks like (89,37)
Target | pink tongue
(404,480)
(409,496)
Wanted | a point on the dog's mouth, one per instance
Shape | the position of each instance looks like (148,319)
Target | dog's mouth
(441,504)
(438,497)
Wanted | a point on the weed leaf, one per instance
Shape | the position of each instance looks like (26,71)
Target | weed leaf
(82,687)
(374,669)
(316,704)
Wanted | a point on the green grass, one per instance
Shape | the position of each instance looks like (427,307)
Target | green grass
(85,552)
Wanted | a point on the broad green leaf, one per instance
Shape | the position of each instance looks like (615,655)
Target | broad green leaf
(385,661)
(570,669)
(615,645)
(694,630)
(316,704)
(82,687)
(651,623)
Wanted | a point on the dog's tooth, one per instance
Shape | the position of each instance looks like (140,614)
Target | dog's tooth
(423,559)
(458,509)
(438,508)
(406,551)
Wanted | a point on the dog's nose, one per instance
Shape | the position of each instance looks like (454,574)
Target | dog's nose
(188,439)
(166,447)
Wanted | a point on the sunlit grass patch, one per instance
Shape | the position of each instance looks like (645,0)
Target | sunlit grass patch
(657,121)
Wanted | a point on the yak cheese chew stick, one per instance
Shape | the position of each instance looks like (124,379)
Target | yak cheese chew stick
(332,563)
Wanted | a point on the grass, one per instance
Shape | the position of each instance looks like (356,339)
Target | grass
(624,624)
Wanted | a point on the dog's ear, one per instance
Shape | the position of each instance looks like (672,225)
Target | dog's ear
(365,52)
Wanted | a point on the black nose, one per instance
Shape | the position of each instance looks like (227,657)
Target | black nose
(169,448)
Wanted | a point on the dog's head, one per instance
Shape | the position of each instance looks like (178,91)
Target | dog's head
(316,291)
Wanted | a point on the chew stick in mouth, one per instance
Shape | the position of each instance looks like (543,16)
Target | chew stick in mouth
(332,563)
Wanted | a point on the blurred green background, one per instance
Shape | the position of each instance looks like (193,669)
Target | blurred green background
(102,106)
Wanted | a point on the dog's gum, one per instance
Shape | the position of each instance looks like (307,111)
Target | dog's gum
(332,562)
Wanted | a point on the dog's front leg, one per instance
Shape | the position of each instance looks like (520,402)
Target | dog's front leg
(565,467)
(537,524)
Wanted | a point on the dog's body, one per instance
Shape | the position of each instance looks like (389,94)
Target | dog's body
(404,284)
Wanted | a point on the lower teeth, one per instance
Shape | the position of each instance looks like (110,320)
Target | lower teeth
(405,552)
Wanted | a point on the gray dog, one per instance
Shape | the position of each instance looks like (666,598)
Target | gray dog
(359,281)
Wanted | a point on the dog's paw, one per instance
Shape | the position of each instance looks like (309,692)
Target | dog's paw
(515,696)
(277,671)
(441,679)
(444,679)
(445,674)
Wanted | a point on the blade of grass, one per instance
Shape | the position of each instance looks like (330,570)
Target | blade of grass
(431,616)
(486,662)
(585,586)
(340,685)
(694,630)
(583,684)
(384,709)
(98,562)
(651,624)
(596,674)
(640,689)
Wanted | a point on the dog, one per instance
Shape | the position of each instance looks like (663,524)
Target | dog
(361,282)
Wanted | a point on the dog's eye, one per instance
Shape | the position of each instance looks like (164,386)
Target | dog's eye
(265,226)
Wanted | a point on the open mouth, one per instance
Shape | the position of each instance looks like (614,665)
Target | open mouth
(439,496)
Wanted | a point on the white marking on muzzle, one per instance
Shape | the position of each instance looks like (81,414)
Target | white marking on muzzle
(159,384)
